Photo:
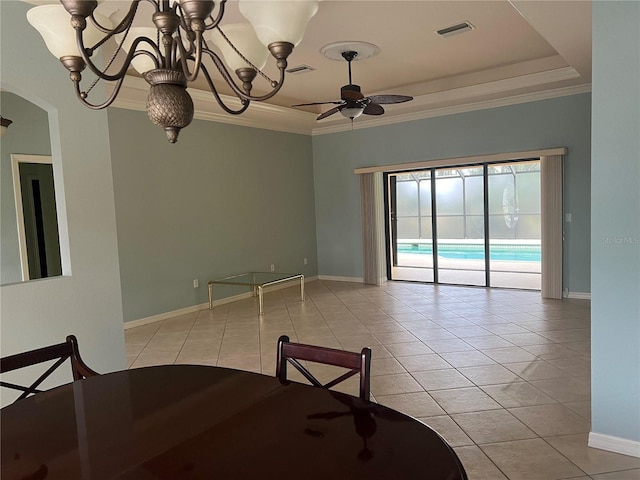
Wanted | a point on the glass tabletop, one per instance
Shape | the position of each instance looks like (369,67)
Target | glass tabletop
(255,279)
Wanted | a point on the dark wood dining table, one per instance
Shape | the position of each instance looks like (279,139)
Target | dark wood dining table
(198,422)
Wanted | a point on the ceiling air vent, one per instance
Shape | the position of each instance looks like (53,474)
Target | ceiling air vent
(455,29)
(298,69)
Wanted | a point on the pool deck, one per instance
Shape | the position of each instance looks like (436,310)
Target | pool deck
(507,274)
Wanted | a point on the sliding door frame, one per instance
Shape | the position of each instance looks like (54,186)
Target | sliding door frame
(548,155)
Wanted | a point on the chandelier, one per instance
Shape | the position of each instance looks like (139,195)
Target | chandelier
(173,53)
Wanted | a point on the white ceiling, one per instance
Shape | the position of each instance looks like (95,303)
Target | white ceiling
(518,49)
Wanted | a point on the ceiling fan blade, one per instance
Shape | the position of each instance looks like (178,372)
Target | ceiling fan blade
(389,99)
(335,102)
(329,112)
(373,109)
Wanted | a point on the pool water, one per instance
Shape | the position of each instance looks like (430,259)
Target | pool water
(506,252)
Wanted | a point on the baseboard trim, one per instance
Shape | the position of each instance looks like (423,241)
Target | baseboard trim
(174,313)
(614,444)
(577,295)
(332,278)
(203,306)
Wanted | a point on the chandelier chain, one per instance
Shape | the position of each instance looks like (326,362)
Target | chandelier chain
(262,74)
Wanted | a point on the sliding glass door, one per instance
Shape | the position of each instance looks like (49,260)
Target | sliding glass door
(514,225)
(460,226)
(411,232)
(472,225)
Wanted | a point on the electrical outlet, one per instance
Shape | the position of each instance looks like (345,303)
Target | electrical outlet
(305,260)
(196,283)
(273,267)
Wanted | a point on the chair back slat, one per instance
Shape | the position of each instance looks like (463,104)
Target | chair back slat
(356,363)
(59,352)
(21,360)
(328,356)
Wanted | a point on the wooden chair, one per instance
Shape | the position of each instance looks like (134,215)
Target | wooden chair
(59,353)
(355,362)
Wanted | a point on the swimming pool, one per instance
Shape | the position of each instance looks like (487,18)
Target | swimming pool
(514,252)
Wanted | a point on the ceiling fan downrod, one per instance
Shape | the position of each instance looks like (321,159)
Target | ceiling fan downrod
(349,56)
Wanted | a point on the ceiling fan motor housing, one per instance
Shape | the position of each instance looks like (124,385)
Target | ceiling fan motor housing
(351,92)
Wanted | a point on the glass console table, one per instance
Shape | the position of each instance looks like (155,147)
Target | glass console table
(256,280)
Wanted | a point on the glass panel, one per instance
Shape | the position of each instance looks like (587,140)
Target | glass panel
(425,196)
(450,227)
(414,253)
(514,225)
(449,198)
(426,230)
(460,238)
(528,185)
(408,228)
(529,227)
(475,227)
(462,277)
(412,274)
(499,228)
(501,193)
(471,171)
(407,198)
(474,195)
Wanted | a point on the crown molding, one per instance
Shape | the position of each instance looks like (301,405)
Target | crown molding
(274,117)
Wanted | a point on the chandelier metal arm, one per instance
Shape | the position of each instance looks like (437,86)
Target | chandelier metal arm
(187,54)
(214,91)
(218,19)
(82,96)
(124,23)
(127,61)
(236,89)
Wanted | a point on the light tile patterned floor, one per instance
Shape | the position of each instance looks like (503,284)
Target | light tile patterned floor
(503,375)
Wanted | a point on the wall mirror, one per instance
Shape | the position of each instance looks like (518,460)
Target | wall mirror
(30,245)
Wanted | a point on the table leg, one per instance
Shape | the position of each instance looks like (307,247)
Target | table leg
(260,299)
(210,286)
(302,288)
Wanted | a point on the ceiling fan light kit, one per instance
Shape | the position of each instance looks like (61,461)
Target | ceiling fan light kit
(171,54)
(352,102)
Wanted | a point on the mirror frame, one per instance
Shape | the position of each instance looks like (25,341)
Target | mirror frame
(16,160)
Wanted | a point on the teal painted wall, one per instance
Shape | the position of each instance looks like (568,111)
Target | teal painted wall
(223,200)
(559,122)
(615,220)
(29,135)
(84,301)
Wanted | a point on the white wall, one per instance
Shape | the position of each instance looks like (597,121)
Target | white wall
(86,301)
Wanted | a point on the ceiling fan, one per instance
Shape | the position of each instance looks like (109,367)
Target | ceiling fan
(352,102)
